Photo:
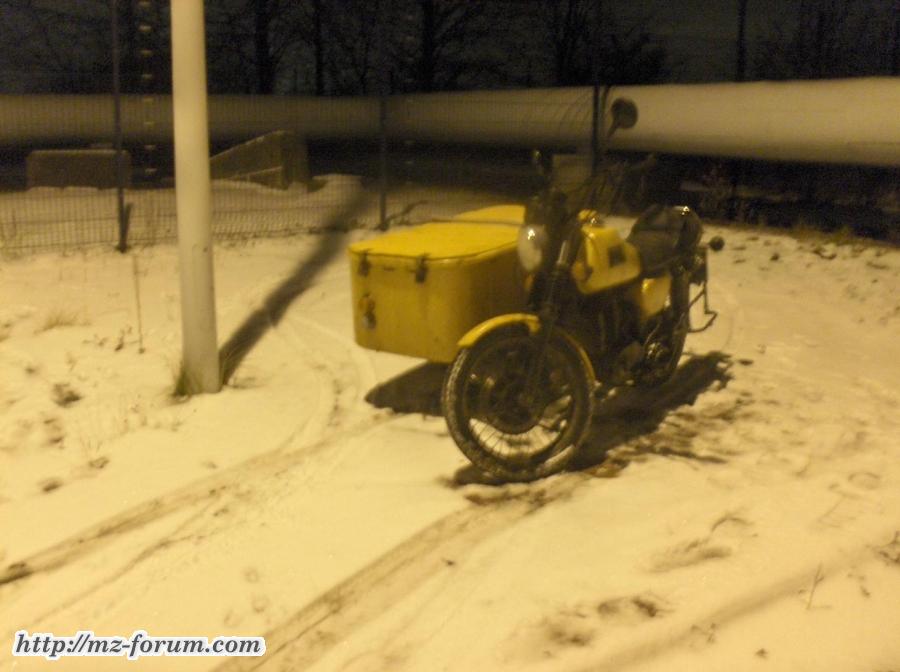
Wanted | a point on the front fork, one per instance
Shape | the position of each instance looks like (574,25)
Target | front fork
(549,310)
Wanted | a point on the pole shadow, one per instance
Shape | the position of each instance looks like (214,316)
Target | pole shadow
(254,327)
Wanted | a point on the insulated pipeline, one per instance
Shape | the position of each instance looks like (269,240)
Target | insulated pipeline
(851,121)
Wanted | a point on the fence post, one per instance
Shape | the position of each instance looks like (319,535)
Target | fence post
(383,91)
(598,105)
(121,211)
(595,127)
(382,162)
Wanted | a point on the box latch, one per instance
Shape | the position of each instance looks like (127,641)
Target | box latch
(421,269)
(364,265)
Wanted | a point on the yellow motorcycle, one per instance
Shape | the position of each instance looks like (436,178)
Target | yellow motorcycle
(535,309)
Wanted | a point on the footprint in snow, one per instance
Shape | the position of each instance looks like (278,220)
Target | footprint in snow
(687,554)
(580,625)
(50,484)
(865,480)
(53,427)
(725,535)
(634,609)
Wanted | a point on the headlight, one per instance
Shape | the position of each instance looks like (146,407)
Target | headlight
(531,245)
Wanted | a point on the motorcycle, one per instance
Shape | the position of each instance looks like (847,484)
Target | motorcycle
(583,311)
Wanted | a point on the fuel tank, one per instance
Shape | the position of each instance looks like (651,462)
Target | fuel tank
(604,261)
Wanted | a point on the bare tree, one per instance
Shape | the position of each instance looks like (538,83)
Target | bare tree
(629,54)
(64,46)
(741,65)
(250,41)
(587,42)
(357,50)
(567,29)
(893,39)
(828,38)
(316,34)
(443,44)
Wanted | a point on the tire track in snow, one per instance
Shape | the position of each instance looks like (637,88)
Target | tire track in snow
(346,374)
(329,410)
(351,373)
(326,415)
(262,466)
(308,635)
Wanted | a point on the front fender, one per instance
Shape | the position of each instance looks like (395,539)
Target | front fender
(532,323)
(477,332)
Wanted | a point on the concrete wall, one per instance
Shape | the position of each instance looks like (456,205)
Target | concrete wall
(76,168)
(276,159)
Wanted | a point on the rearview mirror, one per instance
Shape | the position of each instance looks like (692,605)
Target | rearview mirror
(624,114)
(540,164)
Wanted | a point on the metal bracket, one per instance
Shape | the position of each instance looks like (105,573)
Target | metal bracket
(421,269)
(367,306)
(712,314)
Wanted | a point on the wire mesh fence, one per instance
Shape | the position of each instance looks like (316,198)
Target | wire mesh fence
(261,187)
(46,218)
(53,197)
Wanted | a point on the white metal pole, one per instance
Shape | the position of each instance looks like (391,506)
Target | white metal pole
(193,198)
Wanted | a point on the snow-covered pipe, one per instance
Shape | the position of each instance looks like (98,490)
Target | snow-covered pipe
(852,121)
(36,119)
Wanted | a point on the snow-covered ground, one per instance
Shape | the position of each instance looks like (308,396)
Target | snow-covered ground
(746,516)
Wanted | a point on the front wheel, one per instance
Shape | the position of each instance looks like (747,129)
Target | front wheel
(518,413)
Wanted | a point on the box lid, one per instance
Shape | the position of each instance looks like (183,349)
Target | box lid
(440,241)
(496,214)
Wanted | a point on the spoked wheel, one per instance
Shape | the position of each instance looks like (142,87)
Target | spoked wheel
(515,412)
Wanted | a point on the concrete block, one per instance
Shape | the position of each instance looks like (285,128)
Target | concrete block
(276,159)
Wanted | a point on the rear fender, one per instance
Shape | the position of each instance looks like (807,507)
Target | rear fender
(530,322)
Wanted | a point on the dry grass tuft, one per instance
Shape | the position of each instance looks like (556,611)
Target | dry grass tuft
(58,318)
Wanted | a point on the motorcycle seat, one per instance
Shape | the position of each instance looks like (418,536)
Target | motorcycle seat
(663,236)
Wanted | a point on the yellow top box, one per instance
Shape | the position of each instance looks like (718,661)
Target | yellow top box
(418,290)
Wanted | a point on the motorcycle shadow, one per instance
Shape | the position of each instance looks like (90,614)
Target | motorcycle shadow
(415,391)
(633,412)
(622,416)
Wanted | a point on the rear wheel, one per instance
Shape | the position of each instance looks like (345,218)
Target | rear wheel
(515,412)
